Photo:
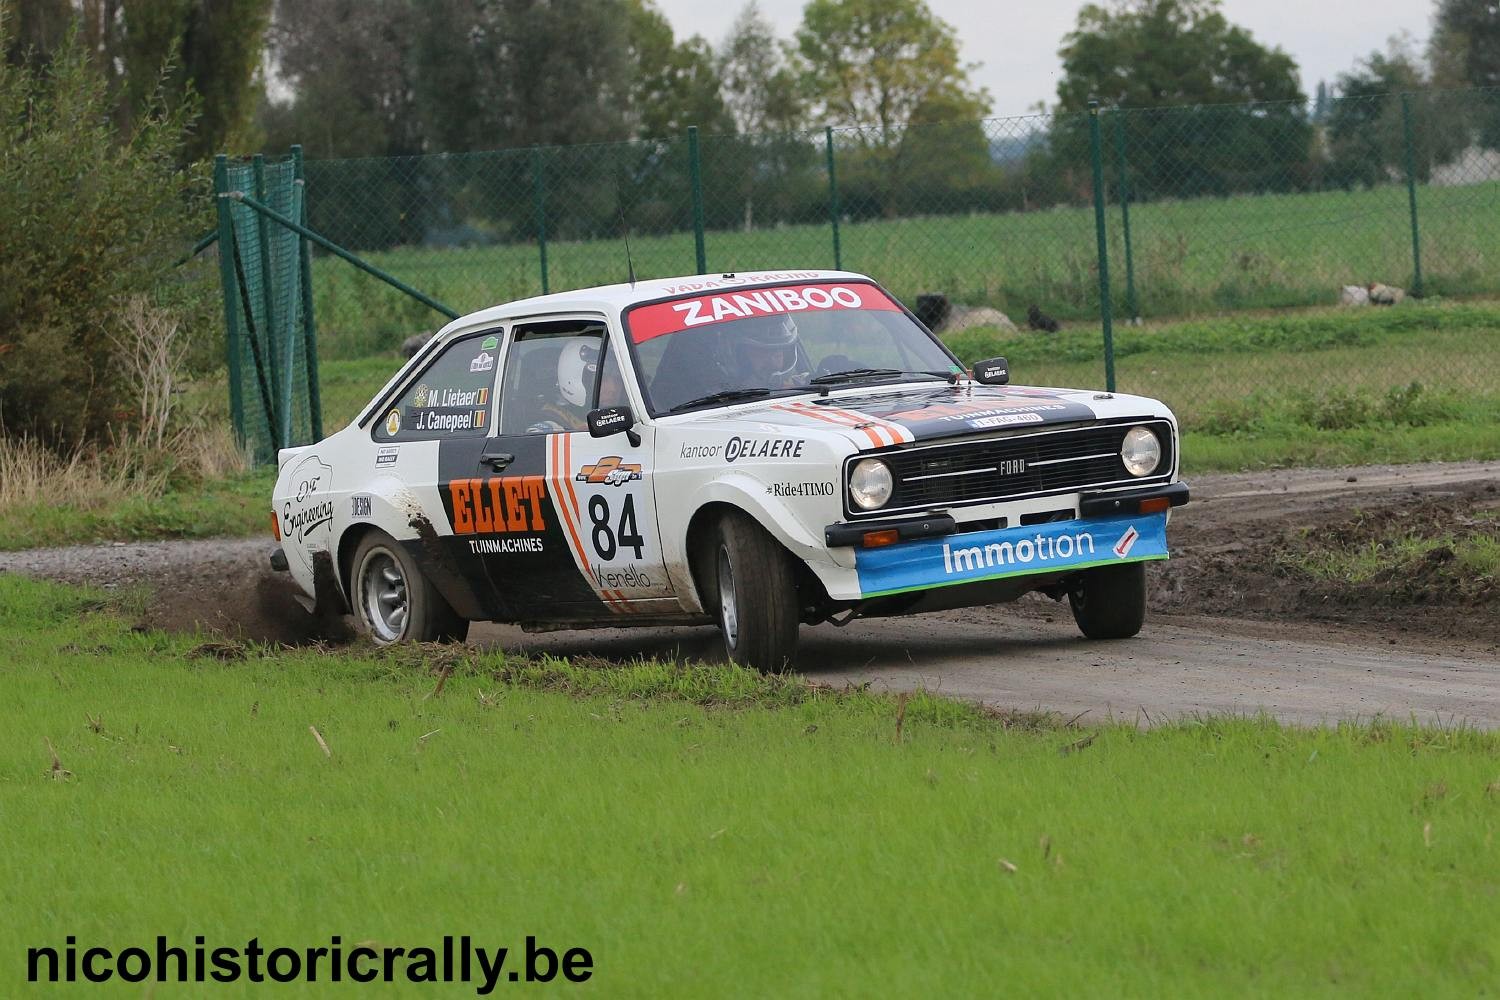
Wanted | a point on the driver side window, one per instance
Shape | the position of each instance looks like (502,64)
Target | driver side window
(551,371)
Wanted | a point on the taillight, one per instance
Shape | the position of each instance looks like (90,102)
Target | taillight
(275,526)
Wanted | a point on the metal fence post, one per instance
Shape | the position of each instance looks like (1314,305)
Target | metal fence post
(1411,197)
(1122,186)
(231,292)
(833,200)
(309,326)
(696,169)
(268,305)
(1105,316)
(539,210)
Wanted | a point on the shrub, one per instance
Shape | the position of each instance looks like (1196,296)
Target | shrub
(88,219)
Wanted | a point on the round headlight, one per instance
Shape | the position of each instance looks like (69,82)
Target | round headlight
(1141,451)
(870,483)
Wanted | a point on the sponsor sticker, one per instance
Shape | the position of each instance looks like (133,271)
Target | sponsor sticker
(489,343)
(483,362)
(989,555)
(499,505)
(359,506)
(738,447)
(386,456)
(310,508)
(800,489)
(448,419)
(660,318)
(393,423)
(700,451)
(610,471)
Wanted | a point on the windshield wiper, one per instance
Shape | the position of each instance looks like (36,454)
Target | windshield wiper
(722,396)
(858,373)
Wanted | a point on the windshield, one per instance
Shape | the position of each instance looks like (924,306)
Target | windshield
(729,346)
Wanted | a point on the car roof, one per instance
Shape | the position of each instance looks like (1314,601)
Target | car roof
(611,299)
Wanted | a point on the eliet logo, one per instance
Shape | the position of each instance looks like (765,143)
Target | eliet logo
(611,471)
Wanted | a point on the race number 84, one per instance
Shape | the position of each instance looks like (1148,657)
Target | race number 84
(625,534)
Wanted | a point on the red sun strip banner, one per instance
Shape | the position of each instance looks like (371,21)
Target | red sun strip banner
(659,318)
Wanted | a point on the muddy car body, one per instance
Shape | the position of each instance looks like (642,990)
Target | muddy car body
(757,451)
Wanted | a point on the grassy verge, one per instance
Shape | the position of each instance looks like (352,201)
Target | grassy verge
(709,831)
(236,506)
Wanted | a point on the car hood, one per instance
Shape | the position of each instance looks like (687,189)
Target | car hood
(903,414)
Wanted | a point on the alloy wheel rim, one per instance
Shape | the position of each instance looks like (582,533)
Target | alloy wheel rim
(728,611)
(385,597)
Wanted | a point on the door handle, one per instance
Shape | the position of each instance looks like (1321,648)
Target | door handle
(498,462)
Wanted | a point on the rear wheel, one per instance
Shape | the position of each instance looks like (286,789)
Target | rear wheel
(1109,602)
(754,593)
(393,602)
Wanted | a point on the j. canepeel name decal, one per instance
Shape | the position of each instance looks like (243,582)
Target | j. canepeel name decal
(986,555)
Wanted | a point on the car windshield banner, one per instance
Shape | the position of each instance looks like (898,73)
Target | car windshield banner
(991,555)
(659,318)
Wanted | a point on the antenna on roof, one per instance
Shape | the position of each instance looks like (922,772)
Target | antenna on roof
(625,228)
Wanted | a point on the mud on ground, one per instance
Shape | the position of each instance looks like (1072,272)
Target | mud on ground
(1257,557)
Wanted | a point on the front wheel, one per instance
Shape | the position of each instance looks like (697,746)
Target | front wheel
(393,602)
(1109,602)
(755,594)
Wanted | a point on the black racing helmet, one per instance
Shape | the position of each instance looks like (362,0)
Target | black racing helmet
(757,340)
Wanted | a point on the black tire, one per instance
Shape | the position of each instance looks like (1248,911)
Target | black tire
(427,617)
(1109,602)
(759,621)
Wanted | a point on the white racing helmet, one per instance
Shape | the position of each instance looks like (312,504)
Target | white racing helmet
(576,367)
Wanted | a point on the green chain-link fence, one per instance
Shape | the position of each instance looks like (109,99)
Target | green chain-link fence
(265,273)
(1248,211)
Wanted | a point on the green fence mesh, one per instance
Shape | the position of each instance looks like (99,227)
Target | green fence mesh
(272,352)
(1223,225)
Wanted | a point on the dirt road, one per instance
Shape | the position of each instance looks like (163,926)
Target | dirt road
(1227,632)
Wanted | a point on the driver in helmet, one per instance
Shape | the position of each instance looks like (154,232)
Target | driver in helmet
(577,367)
(765,351)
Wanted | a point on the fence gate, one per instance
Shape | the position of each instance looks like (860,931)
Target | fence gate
(271,340)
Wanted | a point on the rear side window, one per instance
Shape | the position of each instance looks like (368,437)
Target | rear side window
(451,398)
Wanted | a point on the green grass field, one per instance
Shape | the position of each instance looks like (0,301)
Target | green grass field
(705,831)
(1194,257)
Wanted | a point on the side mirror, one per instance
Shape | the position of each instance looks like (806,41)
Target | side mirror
(612,420)
(995,371)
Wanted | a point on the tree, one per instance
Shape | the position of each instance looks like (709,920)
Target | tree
(1184,55)
(885,63)
(1366,130)
(758,83)
(893,65)
(186,51)
(1465,52)
(87,223)
(674,84)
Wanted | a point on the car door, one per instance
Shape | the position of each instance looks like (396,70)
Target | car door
(593,550)
(431,438)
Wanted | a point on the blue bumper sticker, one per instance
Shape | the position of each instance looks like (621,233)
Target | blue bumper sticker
(991,555)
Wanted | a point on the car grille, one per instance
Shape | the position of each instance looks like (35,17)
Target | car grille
(1062,461)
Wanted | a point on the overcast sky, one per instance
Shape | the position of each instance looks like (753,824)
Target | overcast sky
(1017,42)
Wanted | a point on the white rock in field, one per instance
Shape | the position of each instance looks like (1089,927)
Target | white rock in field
(1385,295)
(967,317)
(1354,295)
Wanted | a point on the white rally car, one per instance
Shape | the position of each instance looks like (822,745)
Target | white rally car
(757,450)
